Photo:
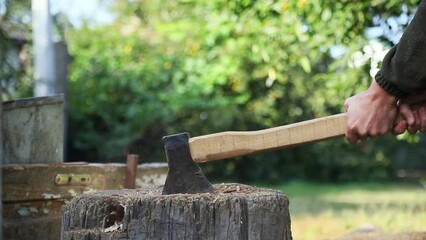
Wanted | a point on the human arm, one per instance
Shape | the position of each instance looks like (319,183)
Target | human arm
(370,113)
(403,73)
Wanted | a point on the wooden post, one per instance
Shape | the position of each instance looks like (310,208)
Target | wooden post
(235,211)
(132,167)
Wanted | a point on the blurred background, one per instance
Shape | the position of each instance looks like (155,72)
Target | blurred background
(138,70)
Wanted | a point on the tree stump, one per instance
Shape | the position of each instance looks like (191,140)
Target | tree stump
(234,211)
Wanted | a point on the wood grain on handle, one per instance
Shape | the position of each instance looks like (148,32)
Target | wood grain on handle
(233,144)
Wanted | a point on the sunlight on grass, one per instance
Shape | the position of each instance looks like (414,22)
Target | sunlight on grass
(327,211)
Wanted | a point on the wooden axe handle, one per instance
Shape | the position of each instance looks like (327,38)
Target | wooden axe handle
(233,144)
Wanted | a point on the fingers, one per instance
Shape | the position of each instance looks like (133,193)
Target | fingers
(415,127)
(351,137)
(353,134)
(419,123)
(369,114)
(400,127)
(413,110)
(406,112)
(422,113)
(346,104)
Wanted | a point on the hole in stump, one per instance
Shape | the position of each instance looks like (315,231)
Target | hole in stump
(115,215)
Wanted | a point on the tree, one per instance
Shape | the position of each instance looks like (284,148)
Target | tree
(209,66)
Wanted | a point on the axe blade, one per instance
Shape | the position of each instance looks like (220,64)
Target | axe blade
(184,175)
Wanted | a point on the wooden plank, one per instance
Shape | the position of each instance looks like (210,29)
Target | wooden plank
(34,195)
(33,220)
(43,182)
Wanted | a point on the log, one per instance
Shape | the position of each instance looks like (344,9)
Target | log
(234,211)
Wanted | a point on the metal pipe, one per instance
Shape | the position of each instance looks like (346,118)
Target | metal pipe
(44,64)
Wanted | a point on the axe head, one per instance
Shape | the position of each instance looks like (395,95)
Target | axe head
(184,175)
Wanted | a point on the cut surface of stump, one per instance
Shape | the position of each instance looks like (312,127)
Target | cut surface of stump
(234,211)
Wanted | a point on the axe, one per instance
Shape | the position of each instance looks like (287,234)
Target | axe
(183,152)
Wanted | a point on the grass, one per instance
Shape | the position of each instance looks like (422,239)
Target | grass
(327,211)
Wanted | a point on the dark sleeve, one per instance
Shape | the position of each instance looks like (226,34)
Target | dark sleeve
(403,70)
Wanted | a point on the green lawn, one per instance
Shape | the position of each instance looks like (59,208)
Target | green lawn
(327,211)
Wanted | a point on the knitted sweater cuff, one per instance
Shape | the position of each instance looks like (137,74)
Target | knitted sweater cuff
(389,87)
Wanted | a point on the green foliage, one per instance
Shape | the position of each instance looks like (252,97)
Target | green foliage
(15,52)
(114,96)
(206,66)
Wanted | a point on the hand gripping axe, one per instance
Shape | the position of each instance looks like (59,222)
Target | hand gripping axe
(183,152)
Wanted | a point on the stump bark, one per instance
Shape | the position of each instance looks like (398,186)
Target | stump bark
(234,211)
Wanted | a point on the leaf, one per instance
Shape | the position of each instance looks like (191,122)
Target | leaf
(305,64)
